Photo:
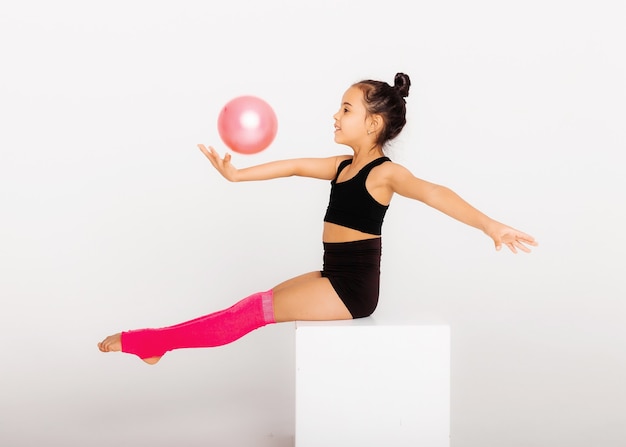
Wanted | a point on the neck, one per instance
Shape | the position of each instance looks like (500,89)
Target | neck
(367,154)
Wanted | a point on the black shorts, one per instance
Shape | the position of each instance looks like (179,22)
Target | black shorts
(353,269)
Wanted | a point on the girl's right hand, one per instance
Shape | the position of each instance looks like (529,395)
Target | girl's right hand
(223,166)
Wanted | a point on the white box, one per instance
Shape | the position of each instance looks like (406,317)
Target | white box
(368,383)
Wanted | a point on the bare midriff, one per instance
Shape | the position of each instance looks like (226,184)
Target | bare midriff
(337,233)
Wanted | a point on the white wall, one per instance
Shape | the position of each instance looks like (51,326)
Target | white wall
(112,219)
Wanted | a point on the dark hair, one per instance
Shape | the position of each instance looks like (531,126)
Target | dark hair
(387,101)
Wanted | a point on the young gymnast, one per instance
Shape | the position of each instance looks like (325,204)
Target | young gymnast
(372,113)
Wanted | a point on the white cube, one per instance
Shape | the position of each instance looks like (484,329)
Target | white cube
(368,383)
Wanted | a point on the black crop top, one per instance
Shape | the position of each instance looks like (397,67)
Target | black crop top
(351,205)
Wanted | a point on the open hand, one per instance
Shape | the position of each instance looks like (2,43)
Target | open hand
(223,165)
(512,238)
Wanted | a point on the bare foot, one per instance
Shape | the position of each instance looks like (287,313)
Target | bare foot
(113,343)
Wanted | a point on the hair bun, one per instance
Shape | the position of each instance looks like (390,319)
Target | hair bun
(401,83)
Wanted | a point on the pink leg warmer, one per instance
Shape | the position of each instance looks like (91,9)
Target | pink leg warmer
(211,330)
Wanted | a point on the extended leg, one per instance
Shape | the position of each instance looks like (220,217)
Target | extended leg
(305,297)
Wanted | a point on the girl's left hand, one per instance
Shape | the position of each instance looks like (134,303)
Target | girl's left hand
(512,238)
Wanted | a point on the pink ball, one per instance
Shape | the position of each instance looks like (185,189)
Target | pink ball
(247,124)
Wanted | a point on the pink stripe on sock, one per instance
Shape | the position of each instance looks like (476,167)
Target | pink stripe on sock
(268,306)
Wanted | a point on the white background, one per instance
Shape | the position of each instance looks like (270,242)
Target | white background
(111,218)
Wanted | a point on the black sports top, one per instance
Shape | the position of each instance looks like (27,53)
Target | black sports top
(351,205)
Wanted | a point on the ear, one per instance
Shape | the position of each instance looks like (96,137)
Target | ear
(375,123)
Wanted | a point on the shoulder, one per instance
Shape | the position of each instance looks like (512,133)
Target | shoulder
(342,159)
(390,170)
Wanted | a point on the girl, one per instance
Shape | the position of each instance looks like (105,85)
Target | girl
(371,114)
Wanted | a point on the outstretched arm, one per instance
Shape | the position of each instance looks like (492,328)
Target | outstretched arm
(321,168)
(450,203)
